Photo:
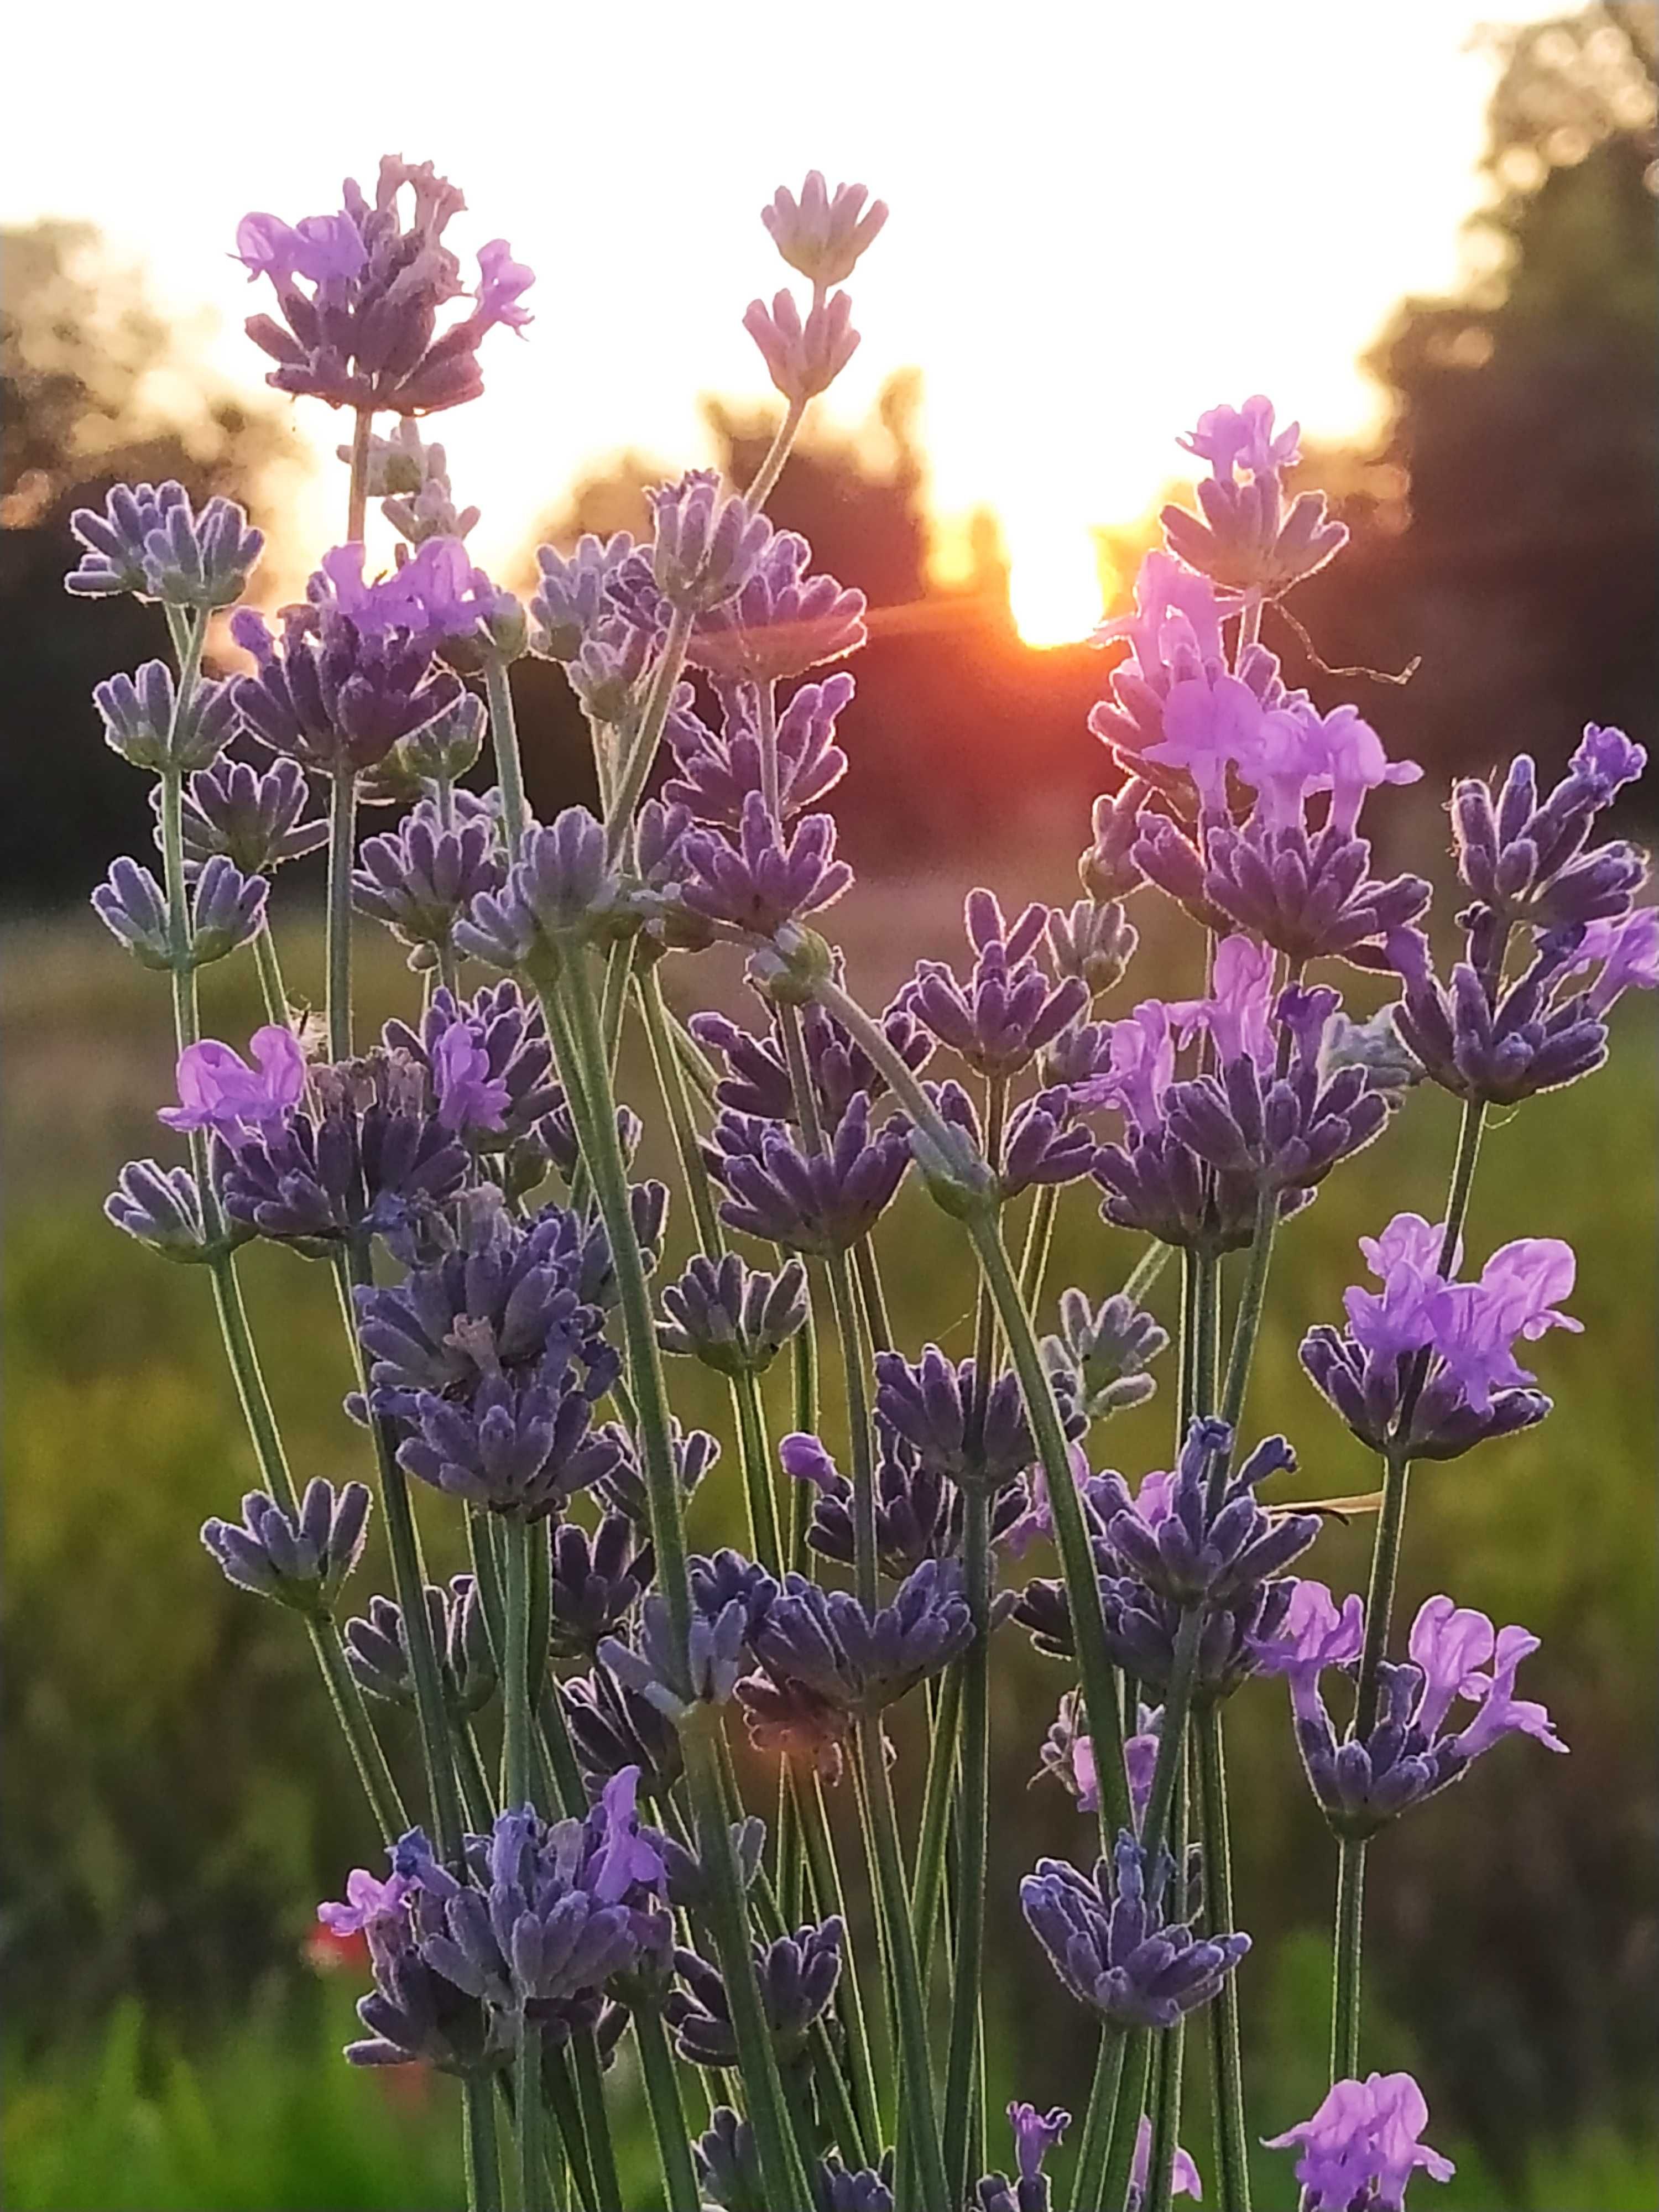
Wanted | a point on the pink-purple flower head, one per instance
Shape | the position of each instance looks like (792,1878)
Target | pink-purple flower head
(803,358)
(368,1900)
(219,1090)
(1185,2179)
(1247,540)
(366,334)
(1229,438)
(1526,857)
(1471,1328)
(822,234)
(1362,2146)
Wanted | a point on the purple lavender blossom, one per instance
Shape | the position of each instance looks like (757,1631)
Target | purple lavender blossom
(705,546)
(931,1404)
(144,723)
(695,1452)
(253,817)
(366,335)
(490,1066)
(1497,1044)
(730,1316)
(520,1446)
(920,1511)
(797,1976)
(822,234)
(352,675)
(1068,1753)
(377,1649)
(781,623)
(1008,1010)
(803,359)
(1249,540)
(854,1662)
(817,1203)
(562,891)
(756,1080)
(1408,1755)
(369,1157)
(300,1557)
(221,1091)
(1035,2134)
(597,1580)
(1363,2145)
(1184,1546)
(150,541)
(573,603)
(613,1726)
(1093,942)
(1109,1941)
(1459,1335)
(1043,1142)
(421,878)
(762,881)
(1526,858)
(1107,870)
(227,909)
(717,770)
(711,1664)
(410,479)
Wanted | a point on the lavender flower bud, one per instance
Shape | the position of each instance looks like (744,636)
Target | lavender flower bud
(613,1727)
(226,910)
(1093,943)
(763,881)
(797,1976)
(1108,871)
(249,817)
(302,1557)
(143,723)
(377,1649)
(824,233)
(161,1207)
(818,1203)
(419,880)
(561,891)
(854,1662)
(1109,1941)
(1106,1351)
(1008,1010)
(728,2165)
(150,541)
(714,1658)
(782,623)
(596,1583)
(573,600)
(623,1489)
(730,1316)
(1185,1546)
(803,359)
(704,547)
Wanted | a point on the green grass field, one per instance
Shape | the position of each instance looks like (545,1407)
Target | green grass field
(175,1800)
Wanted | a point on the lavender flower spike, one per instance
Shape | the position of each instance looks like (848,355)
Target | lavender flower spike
(148,540)
(143,722)
(1035,2134)
(300,1558)
(705,547)
(162,1207)
(1526,858)
(803,359)
(1362,2146)
(797,1975)
(253,817)
(730,1316)
(1110,1944)
(763,881)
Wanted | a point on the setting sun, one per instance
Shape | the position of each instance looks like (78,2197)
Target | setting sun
(1054,582)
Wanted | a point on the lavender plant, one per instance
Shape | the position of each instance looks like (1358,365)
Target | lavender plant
(578,1867)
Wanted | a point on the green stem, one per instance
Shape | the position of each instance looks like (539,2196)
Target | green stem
(1126,2123)
(579,1047)
(671,1082)
(1096,2143)
(635,769)
(662,2094)
(1348,1951)
(596,2121)
(560,2094)
(504,741)
(765,476)
(877,1324)
(528,2165)
(1247,1320)
(1039,1235)
(1166,2102)
(408,1581)
(358,1730)
(826,1883)
(928,1884)
(272,989)
(484,2173)
(1221,2018)
(916,2072)
(781,2179)
(357,491)
(1077,1556)
(766,1540)
(341,833)
(516,1670)
(1379,1595)
(973,1809)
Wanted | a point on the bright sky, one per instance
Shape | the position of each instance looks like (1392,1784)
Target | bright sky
(1105,216)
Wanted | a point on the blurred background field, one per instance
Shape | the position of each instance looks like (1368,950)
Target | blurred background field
(174,1800)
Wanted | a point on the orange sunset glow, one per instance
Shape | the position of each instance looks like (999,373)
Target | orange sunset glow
(1077,269)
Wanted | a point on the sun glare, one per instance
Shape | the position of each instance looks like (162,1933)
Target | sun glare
(1054,583)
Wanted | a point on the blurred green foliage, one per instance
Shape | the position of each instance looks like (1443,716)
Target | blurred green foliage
(175,1799)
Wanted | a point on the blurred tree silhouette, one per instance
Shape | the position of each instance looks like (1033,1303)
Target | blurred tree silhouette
(1523,562)
(96,386)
